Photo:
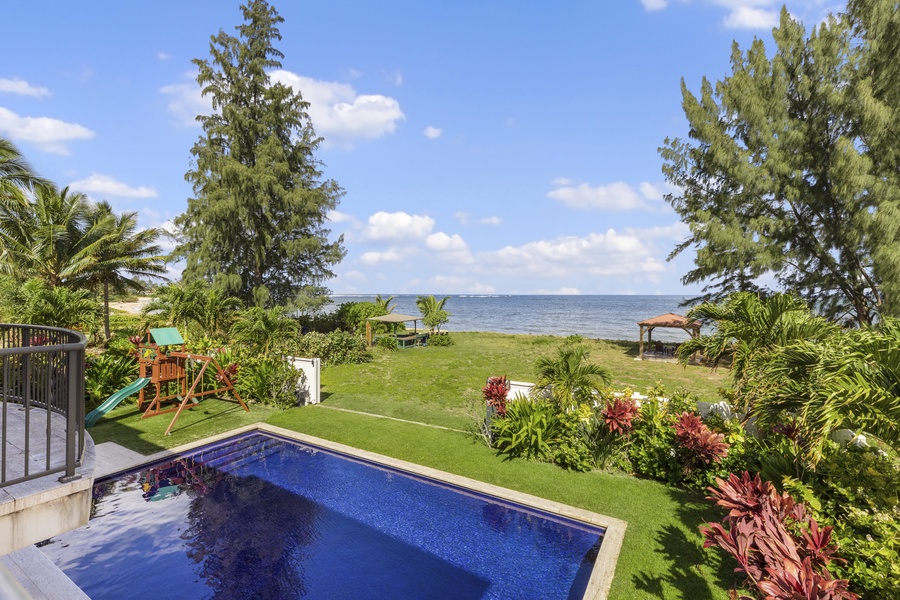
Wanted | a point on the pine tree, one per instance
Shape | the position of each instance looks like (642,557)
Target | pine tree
(255,227)
(779,176)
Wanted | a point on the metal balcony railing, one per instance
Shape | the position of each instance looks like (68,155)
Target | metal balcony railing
(41,402)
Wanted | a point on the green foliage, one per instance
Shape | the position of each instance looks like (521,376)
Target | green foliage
(856,491)
(37,303)
(652,450)
(335,348)
(106,374)
(194,307)
(388,343)
(529,430)
(443,339)
(268,380)
(571,448)
(351,316)
(255,226)
(264,331)
(433,313)
(16,176)
(570,377)
(790,169)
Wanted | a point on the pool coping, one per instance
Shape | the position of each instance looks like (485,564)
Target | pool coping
(604,566)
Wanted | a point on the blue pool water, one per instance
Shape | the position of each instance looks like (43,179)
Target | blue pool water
(259,516)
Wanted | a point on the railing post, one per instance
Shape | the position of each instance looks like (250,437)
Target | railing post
(73,370)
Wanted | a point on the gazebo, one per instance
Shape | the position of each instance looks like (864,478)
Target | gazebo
(389,318)
(666,320)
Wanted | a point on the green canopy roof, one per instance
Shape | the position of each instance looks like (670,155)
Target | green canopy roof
(166,336)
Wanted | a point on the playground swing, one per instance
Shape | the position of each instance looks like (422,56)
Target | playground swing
(169,373)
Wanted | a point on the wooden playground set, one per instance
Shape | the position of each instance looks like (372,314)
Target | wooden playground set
(177,377)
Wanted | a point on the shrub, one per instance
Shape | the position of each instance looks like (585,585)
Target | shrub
(776,543)
(618,415)
(495,394)
(268,380)
(652,449)
(700,446)
(440,339)
(570,449)
(528,430)
(351,316)
(387,343)
(335,348)
(855,490)
(105,374)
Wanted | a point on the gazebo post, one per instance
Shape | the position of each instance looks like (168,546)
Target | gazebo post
(641,344)
(369,333)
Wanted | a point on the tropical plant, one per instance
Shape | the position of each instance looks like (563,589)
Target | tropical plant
(385,304)
(105,374)
(433,313)
(845,381)
(37,303)
(48,237)
(494,393)
(441,340)
(569,377)
(619,414)
(122,255)
(700,446)
(268,380)
(529,430)
(255,226)
(781,549)
(748,327)
(334,348)
(264,331)
(16,175)
(388,343)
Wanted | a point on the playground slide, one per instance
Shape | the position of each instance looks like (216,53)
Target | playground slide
(113,401)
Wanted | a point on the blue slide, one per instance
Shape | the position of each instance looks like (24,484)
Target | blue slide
(113,401)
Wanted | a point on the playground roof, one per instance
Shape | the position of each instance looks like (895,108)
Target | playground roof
(166,336)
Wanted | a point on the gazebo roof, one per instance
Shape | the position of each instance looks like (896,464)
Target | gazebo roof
(394,318)
(670,320)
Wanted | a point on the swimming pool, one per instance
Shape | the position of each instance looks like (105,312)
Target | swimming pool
(260,516)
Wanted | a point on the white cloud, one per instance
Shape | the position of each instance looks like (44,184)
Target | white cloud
(678,231)
(355,276)
(453,249)
(336,216)
(50,135)
(614,196)
(388,256)
(432,133)
(339,113)
(106,185)
(747,17)
(462,217)
(597,254)
(398,226)
(163,55)
(186,100)
(490,221)
(654,4)
(22,87)
(450,284)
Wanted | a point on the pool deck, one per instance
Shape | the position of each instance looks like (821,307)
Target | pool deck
(44,581)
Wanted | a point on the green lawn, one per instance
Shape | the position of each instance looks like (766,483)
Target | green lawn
(662,554)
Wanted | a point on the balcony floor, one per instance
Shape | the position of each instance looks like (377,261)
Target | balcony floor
(15,427)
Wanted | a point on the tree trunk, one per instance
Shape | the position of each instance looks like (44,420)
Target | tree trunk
(106,310)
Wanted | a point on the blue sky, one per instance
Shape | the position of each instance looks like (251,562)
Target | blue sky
(504,147)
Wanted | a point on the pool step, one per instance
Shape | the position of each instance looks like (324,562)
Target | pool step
(240,452)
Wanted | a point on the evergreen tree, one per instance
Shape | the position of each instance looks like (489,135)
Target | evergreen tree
(255,227)
(779,175)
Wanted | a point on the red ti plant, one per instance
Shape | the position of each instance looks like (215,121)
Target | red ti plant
(229,372)
(136,340)
(495,393)
(702,445)
(619,414)
(778,546)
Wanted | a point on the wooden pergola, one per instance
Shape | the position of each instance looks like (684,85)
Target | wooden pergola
(670,320)
(390,318)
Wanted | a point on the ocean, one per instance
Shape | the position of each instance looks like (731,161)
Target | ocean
(603,317)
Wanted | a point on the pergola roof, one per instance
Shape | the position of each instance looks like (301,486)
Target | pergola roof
(395,318)
(670,320)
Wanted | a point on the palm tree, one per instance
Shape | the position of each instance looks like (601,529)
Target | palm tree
(748,326)
(433,313)
(216,312)
(264,330)
(16,176)
(175,304)
(570,377)
(121,254)
(850,380)
(385,304)
(48,237)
